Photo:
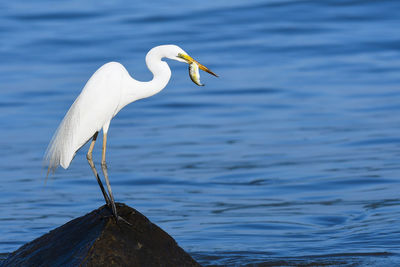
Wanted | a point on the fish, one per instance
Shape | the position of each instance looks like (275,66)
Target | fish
(194,73)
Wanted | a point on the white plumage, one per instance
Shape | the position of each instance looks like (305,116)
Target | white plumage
(108,90)
(93,110)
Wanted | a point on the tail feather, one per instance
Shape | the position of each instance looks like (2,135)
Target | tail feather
(61,149)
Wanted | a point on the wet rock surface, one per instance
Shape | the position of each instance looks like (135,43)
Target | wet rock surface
(97,240)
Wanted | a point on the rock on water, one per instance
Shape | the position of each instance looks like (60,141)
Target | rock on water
(96,240)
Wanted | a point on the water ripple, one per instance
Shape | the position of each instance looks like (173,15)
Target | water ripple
(289,158)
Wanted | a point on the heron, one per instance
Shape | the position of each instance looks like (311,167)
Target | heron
(107,91)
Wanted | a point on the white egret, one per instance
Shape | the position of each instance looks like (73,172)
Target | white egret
(108,90)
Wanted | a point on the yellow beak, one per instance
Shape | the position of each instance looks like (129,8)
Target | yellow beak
(190,60)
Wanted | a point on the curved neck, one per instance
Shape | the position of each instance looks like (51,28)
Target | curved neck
(161,74)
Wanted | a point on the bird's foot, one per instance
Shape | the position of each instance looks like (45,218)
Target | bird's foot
(119,218)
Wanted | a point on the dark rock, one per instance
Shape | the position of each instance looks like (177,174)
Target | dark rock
(96,240)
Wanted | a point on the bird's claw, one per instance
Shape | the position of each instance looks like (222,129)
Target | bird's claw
(119,218)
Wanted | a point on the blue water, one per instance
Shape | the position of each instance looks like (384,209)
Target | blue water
(291,157)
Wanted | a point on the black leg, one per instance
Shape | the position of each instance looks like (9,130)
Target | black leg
(91,163)
(104,168)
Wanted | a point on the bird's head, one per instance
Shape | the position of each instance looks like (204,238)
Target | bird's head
(178,54)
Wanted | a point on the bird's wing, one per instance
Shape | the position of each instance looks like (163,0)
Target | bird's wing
(93,108)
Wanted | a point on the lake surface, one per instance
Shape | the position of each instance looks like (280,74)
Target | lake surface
(291,157)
